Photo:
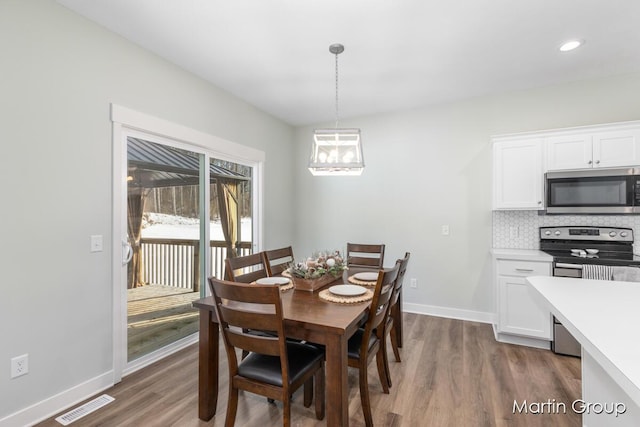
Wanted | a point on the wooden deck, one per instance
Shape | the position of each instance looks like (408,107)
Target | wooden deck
(158,315)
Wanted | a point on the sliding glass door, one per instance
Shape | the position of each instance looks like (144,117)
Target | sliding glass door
(180,208)
(169,264)
(163,229)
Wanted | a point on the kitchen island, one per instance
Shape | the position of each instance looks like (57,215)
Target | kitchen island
(604,316)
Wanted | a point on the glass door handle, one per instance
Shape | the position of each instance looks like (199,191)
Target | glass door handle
(128,252)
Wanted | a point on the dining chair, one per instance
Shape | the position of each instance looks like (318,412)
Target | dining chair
(364,255)
(248,269)
(367,342)
(391,328)
(275,367)
(277,260)
(245,269)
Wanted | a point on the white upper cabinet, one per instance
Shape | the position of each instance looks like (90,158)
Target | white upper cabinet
(568,152)
(605,149)
(616,148)
(517,174)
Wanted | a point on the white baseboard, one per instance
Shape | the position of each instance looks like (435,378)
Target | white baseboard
(451,313)
(47,408)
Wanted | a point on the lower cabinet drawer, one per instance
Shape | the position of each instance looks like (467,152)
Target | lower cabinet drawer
(523,268)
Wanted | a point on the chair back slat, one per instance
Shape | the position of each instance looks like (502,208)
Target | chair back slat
(245,269)
(365,255)
(250,319)
(278,260)
(253,343)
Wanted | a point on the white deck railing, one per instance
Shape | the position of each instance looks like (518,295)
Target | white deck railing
(174,262)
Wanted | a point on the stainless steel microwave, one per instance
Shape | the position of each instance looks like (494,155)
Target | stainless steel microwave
(593,191)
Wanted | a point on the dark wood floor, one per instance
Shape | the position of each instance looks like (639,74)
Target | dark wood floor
(453,373)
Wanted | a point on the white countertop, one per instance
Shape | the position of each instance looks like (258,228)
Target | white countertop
(521,254)
(604,316)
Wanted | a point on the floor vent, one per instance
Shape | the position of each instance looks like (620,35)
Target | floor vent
(86,409)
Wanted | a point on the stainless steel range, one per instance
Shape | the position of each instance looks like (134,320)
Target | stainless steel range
(590,253)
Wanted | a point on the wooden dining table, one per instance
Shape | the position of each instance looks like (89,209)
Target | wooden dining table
(306,317)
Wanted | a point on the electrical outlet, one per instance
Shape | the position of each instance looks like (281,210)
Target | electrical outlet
(413,283)
(445,230)
(19,366)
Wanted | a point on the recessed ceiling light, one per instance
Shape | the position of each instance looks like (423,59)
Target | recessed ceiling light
(570,45)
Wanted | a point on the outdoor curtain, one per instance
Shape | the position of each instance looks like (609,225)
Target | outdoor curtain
(228,207)
(135,208)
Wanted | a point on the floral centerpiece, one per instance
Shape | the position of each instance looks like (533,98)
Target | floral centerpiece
(317,271)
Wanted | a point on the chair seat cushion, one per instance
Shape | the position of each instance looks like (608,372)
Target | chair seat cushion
(355,343)
(267,368)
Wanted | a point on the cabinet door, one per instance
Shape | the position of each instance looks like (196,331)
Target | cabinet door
(517,174)
(616,148)
(520,312)
(568,152)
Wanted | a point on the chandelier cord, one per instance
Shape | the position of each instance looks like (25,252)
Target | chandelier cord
(336,90)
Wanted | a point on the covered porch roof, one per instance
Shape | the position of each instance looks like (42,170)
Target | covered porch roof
(152,165)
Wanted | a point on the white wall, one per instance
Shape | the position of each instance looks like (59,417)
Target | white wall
(431,167)
(58,75)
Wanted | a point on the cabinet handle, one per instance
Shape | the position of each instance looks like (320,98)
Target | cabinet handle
(539,202)
(525,270)
(597,162)
(590,162)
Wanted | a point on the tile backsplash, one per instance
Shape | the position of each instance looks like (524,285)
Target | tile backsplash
(519,229)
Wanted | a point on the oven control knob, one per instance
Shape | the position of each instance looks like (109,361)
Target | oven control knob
(623,234)
(612,233)
(557,232)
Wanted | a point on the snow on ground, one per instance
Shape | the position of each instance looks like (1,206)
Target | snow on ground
(178,227)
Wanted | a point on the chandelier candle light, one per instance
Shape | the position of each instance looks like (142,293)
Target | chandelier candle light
(336,151)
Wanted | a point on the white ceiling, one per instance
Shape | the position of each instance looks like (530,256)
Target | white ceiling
(398,53)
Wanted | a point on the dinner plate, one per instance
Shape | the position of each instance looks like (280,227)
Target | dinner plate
(367,276)
(272,281)
(347,290)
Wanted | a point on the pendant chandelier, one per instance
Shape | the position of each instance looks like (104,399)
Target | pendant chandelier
(336,151)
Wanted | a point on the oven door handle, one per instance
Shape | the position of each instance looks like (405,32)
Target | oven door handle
(564,265)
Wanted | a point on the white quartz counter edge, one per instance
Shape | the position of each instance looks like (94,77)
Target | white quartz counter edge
(604,316)
(521,254)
